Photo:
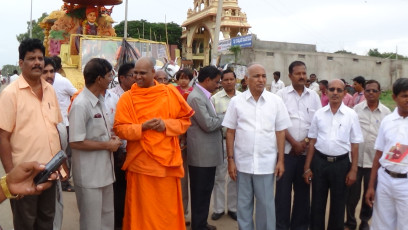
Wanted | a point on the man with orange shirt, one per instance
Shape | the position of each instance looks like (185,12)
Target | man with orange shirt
(28,119)
(151,116)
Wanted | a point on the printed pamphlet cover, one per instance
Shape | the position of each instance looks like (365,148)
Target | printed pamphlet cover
(397,153)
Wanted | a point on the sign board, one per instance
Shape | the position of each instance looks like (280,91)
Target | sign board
(224,45)
(243,41)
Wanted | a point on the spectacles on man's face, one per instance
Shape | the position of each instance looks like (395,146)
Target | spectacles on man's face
(371,91)
(339,90)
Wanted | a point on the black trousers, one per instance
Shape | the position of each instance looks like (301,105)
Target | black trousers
(293,177)
(353,196)
(328,176)
(201,186)
(35,212)
(119,187)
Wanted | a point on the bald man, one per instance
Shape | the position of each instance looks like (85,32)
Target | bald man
(151,116)
(161,77)
(256,121)
(334,133)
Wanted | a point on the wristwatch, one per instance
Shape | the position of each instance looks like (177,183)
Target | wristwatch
(306,140)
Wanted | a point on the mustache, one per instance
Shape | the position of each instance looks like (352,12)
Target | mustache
(37,67)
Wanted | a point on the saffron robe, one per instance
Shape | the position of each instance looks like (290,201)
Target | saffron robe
(153,160)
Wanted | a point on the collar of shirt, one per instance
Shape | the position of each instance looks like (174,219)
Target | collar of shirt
(341,108)
(395,115)
(108,93)
(94,100)
(118,90)
(206,92)
(248,95)
(379,107)
(22,83)
(292,90)
(223,93)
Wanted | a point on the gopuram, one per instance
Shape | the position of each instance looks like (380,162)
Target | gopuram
(198,29)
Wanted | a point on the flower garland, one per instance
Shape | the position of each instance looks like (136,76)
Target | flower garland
(86,26)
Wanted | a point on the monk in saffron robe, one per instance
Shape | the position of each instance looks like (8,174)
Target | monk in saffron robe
(151,116)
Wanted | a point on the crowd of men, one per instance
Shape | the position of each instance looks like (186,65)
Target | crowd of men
(139,149)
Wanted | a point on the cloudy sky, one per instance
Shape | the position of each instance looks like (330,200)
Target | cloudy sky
(353,25)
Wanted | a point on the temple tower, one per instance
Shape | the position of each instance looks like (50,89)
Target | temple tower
(198,29)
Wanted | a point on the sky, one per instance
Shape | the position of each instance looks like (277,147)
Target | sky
(352,25)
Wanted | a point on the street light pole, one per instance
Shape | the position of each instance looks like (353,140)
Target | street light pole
(31,20)
(126,12)
(214,52)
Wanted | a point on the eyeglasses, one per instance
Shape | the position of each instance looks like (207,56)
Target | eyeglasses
(130,75)
(371,91)
(339,90)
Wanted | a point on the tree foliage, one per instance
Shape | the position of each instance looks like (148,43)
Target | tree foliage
(37,31)
(344,52)
(7,70)
(387,55)
(158,31)
(236,50)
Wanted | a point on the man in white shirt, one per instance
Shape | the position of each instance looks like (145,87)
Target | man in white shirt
(221,101)
(301,104)
(277,83)
(64,90)
(370,114)
(126,79)
(256,121)
(334,132)
(14,76)
(390,166)
(313,83)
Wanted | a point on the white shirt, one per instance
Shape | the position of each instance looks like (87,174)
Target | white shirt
(301,110)
(221,101)
(255,124)
(370,123)
(393,130)
(335,132)
(64,90)
(13,78)
(117,90)
(276,86)
(314,86)
(111,100)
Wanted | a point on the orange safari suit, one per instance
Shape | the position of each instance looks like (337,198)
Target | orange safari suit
(153,163)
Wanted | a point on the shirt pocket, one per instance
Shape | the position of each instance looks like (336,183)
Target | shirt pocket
(268,122)
(53,114)
(343,133)
(98,129)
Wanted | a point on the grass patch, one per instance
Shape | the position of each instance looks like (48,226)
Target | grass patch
(386,99)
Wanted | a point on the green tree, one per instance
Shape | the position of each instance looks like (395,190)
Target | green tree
(7,70)
(37,31)
(344,52)
(158,31)
(388,55)
(236,50)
